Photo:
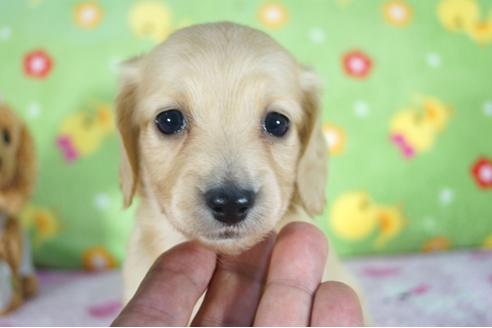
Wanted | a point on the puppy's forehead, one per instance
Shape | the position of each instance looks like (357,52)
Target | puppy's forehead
(220,73)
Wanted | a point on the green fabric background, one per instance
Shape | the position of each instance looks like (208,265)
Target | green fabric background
(76,217)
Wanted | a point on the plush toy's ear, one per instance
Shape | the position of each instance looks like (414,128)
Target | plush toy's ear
(23,181)
(312,166)
(128,129)
(25,178)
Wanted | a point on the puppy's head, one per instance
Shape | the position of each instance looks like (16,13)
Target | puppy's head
(220,129)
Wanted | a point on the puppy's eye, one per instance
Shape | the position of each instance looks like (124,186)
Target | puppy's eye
(170,122)
(6,136)
(276,124)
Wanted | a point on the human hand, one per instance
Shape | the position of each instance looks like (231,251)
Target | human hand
(276,283)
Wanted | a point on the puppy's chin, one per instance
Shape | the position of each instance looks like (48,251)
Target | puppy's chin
(230,244)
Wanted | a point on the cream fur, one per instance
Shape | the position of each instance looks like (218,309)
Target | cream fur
(225,78)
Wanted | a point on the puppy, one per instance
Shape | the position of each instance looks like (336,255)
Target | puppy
(221,139)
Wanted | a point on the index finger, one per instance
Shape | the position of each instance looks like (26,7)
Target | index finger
(296,269)
(171,288)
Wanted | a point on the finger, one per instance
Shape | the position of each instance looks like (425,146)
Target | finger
(295,272)
(234,293)
(171,288)
(336,304)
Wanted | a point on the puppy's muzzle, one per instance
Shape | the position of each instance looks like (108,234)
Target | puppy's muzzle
(229,204)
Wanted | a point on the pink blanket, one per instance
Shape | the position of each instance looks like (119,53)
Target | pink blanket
(418,290)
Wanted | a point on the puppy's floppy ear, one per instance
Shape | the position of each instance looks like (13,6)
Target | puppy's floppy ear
(128,129)
(312,166)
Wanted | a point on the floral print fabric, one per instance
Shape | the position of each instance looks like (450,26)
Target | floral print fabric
(407,112)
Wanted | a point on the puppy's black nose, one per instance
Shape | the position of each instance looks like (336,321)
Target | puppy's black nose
(229,204)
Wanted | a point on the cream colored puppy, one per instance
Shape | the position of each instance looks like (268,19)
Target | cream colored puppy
(222,141)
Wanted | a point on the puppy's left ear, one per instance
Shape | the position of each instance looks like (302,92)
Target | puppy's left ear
(312,166)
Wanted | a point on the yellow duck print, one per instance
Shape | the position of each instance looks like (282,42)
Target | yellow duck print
(82,133)
(150,19)
(481,31)
(465,16)
(458,15)
(354,217)
(414,130)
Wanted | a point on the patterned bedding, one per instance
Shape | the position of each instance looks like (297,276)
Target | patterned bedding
(407,114)
(420,290)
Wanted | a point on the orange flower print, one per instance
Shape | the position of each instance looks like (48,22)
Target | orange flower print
(88,15)
(397,13)
(97,259)
(335,138)
(273,15)
(436,244)
(43,222)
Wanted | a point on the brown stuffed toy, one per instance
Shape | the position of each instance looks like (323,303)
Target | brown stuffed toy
(17,177)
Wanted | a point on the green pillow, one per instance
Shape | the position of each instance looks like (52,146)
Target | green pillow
(407,110)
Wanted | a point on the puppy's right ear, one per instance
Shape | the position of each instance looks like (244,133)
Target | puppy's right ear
(128,129)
